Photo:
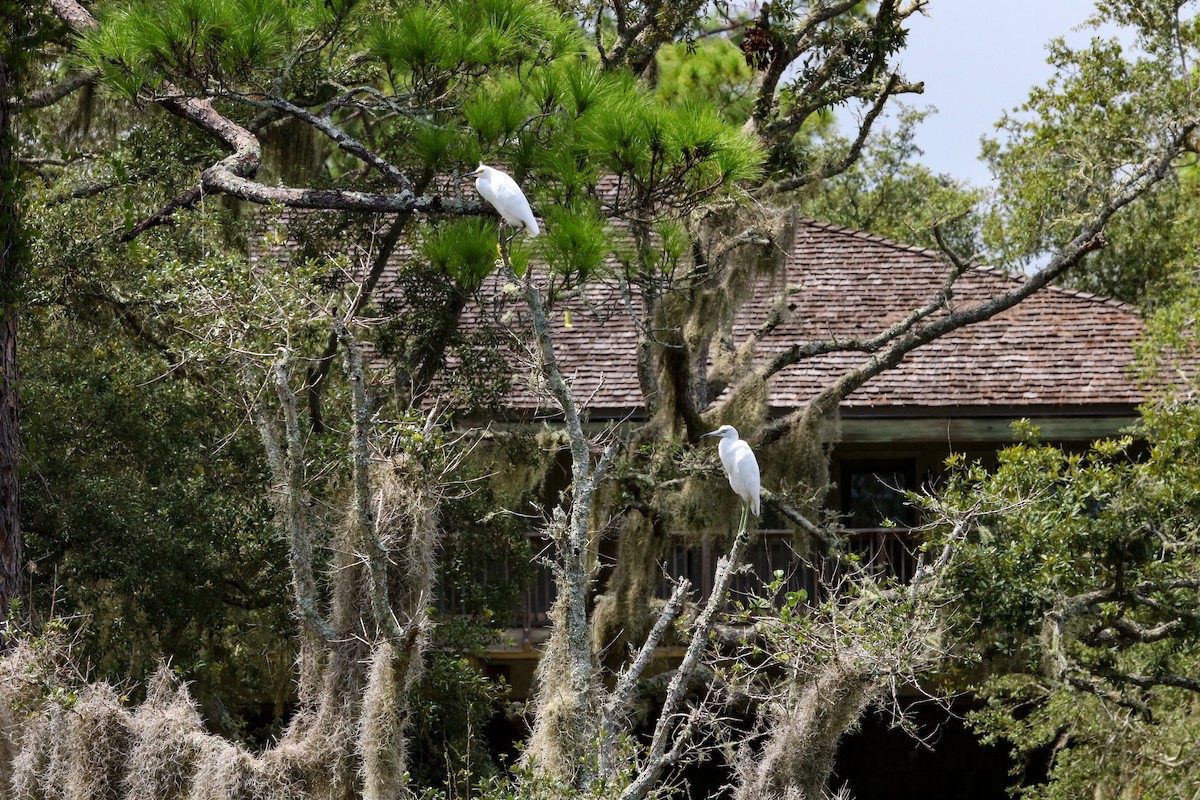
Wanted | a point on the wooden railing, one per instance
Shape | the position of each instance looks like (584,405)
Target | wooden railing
(884,551)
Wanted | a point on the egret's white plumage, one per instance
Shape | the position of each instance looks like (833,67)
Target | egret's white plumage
(740,465)
(506,196)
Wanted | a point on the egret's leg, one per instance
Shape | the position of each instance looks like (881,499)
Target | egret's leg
(502,242)
(745,516)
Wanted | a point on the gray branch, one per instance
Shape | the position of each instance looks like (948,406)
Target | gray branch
(233,175)
(619,701)
(284,451)
(1089,238)
(661,754)
(52,94)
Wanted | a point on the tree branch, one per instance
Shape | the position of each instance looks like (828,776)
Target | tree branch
(618,702)
(285,458)
(345,141)
(660,754)
(1089,239)
(320,370)
(365,519)
(788,127)
(50,95)
(573,573)
(233,174)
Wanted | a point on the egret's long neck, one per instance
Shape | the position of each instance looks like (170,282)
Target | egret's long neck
(725,448)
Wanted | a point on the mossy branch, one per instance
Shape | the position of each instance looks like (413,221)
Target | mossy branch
(573,573)
(619,700)
(365,519)
(284,450)
(666,744)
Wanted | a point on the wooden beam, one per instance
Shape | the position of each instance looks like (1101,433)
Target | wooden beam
(954,430)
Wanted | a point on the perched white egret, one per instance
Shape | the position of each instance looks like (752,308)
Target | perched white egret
(741,466)
(503,193)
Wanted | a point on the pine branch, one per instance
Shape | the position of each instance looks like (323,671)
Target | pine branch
(233,175)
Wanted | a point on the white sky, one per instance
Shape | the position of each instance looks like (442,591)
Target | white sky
(979,58)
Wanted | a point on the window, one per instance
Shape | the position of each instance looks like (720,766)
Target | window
(872,492)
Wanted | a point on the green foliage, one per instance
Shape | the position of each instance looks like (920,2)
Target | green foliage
(1146,245)
(143,512)
(426,45)
(712,71)
(1093,747)
(497,111)
(486,566)
(465,250)
(1170,349)
(203,43)
(889,193)
(1077,581)
(576,243)
(453,706)
(685,151)
(1066,151)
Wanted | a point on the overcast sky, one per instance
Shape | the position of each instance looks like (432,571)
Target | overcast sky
(977,59)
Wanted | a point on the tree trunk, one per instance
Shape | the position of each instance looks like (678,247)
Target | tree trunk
(10,516)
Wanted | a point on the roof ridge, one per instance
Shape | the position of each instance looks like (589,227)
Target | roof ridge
(1123,305)
(859,233)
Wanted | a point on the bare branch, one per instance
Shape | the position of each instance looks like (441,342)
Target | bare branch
(621,697)
(660,754)
(52,94)
(1089,239)
(1148,681)
(826,537)
(1133,632)
(825,171)
(658,24)
(345,141)
(799,352)
(365,518)
(165,214)
(574,640)
(286,459)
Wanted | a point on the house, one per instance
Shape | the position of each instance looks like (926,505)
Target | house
(1061,359)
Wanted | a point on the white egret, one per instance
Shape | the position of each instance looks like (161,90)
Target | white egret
(740,466)
(506,196)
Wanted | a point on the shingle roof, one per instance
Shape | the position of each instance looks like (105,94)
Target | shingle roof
(1058,348)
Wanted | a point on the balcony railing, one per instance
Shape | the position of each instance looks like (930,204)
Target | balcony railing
(883,551)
